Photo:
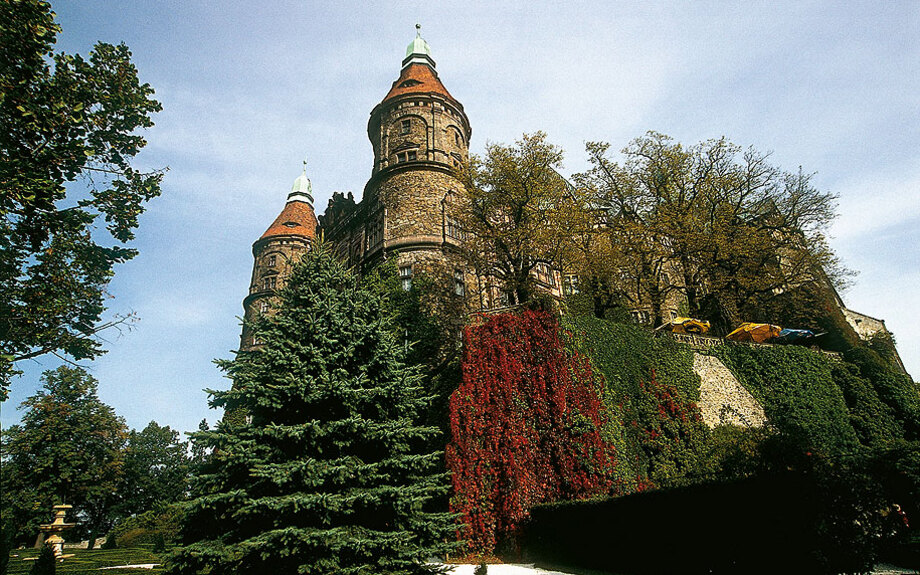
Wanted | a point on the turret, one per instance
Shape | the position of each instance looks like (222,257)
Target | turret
(281,246)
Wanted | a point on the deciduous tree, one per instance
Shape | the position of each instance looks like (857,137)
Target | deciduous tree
(517,212)
(70,133)
(68,449)
(739,230)
(156,469)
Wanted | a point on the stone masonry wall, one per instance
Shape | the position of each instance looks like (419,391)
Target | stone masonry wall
(414,203)
(723,400)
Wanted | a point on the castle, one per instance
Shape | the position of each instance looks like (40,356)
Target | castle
(420,135)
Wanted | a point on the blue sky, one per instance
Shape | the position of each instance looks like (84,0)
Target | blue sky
(249,92)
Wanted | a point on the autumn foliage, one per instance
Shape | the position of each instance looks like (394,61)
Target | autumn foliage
(526,427)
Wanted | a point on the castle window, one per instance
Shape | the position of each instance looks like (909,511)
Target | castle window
(271,261)
(459,284)
(406,127)
(375,232)
(405,277)
(452,229)
(666,280)
(570,285)
(409,156)
(457,139)
(545,274)
(263,306)
(269,283)
(640,316)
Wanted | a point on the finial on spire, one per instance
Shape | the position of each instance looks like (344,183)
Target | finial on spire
(305,164)
(418,50)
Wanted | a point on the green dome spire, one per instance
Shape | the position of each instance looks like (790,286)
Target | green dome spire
(302,190)
(418,51)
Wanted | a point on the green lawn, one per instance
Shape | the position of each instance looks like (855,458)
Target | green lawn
(85,562)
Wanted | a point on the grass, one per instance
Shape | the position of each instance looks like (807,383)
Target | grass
(89,561)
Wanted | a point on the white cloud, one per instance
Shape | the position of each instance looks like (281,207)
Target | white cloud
(871,203)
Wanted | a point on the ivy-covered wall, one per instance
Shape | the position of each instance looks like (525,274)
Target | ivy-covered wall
(837,421)
(651,393)
(796,387)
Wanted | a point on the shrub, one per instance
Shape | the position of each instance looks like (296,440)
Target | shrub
(6,545)
(45,564)
(796,388)
(137,537)
(526,427)
(142,528)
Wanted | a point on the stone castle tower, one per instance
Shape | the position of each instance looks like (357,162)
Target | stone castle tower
(420,135)
(275,253)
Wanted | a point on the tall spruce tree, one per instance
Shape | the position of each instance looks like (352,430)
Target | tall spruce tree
(330,472)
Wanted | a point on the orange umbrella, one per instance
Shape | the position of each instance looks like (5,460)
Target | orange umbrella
(689,325)
(755,332)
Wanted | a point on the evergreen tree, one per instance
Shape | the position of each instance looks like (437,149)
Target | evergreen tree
(329,472)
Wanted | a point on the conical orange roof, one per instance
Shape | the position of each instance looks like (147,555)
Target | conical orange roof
(296,219)
(418,79)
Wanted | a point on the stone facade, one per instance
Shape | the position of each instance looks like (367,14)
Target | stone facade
(274,258)
(420,136)
(723,400)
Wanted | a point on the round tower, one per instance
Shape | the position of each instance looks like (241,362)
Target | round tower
(420,136)
(275,253)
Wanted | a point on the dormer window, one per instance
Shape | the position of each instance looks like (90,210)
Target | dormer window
(290,224)
(405,127)
(409,83)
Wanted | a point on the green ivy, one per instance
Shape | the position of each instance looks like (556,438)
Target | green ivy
(631,358)
(797,390)
(627,354)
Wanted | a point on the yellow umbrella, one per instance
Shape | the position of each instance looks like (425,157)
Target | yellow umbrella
(689,325)
(755,332)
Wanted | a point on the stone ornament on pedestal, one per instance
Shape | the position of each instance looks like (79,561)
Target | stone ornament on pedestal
(55,528)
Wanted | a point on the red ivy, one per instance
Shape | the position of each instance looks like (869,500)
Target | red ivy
(526,427)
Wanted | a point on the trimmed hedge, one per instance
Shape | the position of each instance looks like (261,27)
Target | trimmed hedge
(147,528)
(750,526)
(88,562)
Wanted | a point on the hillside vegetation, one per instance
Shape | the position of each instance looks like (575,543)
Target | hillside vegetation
(841,441)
